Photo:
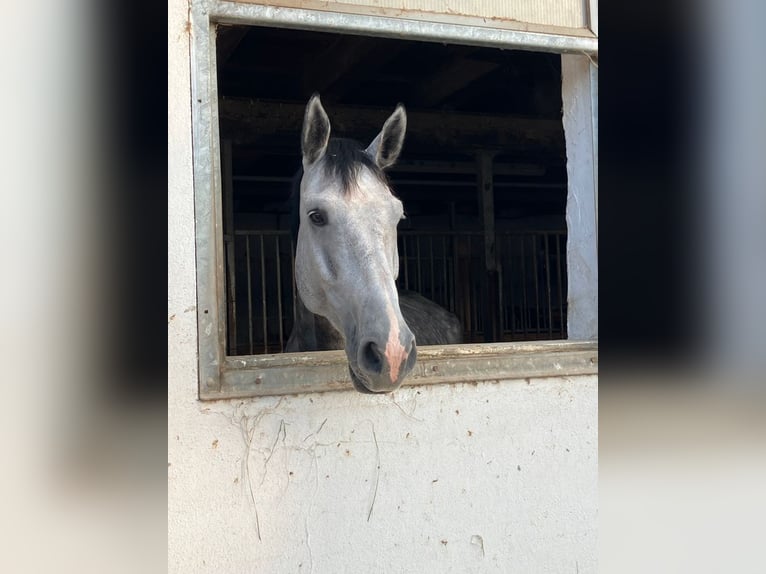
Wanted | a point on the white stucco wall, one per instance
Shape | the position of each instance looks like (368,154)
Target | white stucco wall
(490,477)
(460,478)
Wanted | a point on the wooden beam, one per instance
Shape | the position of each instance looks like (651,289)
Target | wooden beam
(277,124)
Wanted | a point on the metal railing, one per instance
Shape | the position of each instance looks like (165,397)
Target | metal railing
(260,291)
(446,267)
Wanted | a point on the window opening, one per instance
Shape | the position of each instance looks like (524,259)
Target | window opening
(478,117)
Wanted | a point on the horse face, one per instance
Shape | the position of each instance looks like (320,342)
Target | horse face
(347,259)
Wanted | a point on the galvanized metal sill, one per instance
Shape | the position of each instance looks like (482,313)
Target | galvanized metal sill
(283,374)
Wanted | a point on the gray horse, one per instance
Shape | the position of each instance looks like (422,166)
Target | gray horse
(347,261)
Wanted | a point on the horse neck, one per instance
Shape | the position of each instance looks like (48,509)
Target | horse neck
(312,332)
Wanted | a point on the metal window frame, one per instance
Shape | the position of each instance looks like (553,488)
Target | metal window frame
(223,377)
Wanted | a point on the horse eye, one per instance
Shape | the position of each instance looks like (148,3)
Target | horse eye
(317,217)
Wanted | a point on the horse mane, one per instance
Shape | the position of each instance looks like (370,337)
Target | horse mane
(342,159)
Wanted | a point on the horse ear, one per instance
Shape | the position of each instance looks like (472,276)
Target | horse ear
(387,145)
(316,131)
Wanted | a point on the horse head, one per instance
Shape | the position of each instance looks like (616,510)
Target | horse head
(346,260)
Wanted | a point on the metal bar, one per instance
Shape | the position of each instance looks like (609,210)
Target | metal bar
(455,258)
(231,282)
(477,295)
(537,285)
(501,306)
(420,278)
(510,284)
(283,232)
(264,178)
(472,273)
(431,257)
(562,319)
(481,328)
(502,311)
(548,284)
(525,306)
(501,302)
(445,285)
(249,297)
(279,294)
(468,294)
(455,272)
(363,25)
(263,299)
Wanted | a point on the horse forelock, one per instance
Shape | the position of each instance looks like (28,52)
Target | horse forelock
(345,158)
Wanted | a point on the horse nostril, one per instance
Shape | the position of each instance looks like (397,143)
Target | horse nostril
(372,358)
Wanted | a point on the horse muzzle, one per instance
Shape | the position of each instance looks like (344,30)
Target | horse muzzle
(380,367)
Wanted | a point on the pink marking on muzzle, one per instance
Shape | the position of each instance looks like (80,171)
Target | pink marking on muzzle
(395,351)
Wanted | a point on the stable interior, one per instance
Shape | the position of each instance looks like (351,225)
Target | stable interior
(482,175)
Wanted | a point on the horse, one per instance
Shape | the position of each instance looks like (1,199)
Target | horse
(347,260)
